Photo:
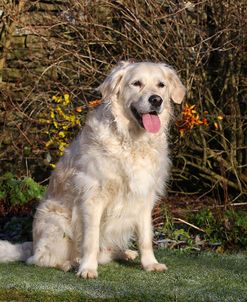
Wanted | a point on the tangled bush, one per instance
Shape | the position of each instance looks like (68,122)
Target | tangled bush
(204,41)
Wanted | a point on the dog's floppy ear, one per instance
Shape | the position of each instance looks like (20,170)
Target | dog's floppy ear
(177,89)
(111,84)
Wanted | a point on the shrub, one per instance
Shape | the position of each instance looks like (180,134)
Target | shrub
(228,228)
(15,192)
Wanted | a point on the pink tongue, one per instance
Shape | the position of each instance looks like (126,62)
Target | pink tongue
(151,122)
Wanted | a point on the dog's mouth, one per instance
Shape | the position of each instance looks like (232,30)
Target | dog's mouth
(150,121)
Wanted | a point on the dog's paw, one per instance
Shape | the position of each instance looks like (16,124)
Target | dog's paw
(155,267)
(87,274)
(130,255)
(66,266)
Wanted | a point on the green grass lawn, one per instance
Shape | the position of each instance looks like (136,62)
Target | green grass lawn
(190,277)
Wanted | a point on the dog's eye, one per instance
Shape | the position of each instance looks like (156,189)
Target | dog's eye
(137,83)
(161,85)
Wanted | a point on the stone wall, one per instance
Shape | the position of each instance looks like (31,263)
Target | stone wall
(24,38)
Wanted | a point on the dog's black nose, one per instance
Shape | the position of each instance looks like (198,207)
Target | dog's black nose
(155,101)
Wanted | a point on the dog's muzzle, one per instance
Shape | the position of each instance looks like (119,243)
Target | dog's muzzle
(150,121)
(155,101)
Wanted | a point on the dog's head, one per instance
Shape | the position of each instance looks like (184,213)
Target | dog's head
(143,91)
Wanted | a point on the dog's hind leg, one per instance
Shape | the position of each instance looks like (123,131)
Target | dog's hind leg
(129,255)
(52,251)
(52,241)
(107,255)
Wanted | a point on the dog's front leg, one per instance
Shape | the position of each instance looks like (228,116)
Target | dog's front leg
(145,236)
(91,215)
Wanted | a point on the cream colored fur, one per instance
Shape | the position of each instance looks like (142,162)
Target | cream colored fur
(103,189)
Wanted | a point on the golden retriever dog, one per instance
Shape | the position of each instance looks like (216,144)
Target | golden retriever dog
(102,191)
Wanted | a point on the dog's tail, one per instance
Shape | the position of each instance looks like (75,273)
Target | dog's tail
(15,252)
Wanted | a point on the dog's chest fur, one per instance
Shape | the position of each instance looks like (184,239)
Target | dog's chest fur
(129,186)
(132,169)
(133,179)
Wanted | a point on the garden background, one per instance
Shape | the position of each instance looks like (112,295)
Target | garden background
(53,54)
